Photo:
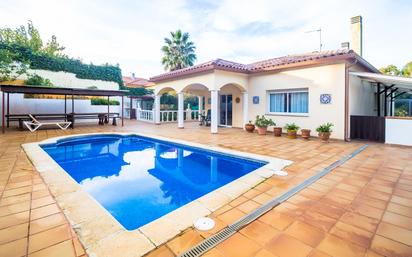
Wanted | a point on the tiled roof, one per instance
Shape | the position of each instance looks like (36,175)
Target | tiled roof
(136,82)
(261,66)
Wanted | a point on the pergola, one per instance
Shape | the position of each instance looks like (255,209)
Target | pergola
(16,89)
(388,88)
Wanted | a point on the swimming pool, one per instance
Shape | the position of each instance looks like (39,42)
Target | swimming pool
(139,179)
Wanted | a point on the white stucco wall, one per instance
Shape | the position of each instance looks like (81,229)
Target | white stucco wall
(329,79)
(397,131)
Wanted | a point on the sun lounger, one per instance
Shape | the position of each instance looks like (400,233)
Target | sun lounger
(34,124)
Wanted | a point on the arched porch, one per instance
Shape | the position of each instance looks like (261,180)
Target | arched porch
(223,102)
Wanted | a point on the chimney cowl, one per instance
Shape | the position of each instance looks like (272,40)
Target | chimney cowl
(345,45)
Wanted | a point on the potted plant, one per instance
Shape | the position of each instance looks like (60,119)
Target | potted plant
(277,131)
(250,127)
(324,131)
(292,129)
(262,124)
(305,133)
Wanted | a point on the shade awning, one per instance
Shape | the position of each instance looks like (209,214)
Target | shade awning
(14,89)
(403,84)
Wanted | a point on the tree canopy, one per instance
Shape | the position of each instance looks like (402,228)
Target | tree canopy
(391,69)
(30,38)
(178,51)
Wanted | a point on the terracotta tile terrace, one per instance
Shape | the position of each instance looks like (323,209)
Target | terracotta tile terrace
(362,208)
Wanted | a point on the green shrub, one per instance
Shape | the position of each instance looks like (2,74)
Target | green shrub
(43,61)
(325,128)
(102,101)
(291,127)
(263,122)
(36,80)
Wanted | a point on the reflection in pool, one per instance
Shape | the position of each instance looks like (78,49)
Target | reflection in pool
(139,179)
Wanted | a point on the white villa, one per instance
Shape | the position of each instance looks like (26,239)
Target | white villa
(307,89)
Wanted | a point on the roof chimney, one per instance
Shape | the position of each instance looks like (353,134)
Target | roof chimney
(133,76)
(356,30)
(345,45)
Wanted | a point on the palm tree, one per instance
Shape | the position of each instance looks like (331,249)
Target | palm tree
(178,51)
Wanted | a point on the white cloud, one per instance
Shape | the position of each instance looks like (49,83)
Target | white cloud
(131,32)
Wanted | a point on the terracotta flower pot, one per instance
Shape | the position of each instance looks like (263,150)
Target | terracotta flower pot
(262,130)
(292,134)
(277,131)
(250,127)
(324,136)
(305,133)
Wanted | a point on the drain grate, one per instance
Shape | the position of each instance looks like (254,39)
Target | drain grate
(225,233)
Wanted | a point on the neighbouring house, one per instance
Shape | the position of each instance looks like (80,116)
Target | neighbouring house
(308,89)
(135,82)
(135,102)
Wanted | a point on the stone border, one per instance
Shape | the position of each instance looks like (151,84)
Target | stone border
(102,235)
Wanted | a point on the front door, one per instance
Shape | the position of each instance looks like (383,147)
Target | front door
(225,110)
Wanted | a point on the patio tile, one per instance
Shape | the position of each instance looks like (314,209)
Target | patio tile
(48,238)
(338,247)
(248,206)
(398,220)
(287,246)
(14,219)
(401,200)
(400,209)
(277,220)
(14,199)
(352,234)
(239,246)
(162,251)
(47,200)
(63,249)
(13,233)
(181,243)
(231,216)
(15,248)
(306,233)
(318,220)
(213,253)
(259,232)
(388,247)
(46,223)
(14,208)
(318,253)
(395,233)
(44,211)
(361,221)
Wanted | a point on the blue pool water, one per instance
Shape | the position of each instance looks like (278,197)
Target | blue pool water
(139,179)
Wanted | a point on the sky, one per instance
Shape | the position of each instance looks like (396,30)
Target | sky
(131,33)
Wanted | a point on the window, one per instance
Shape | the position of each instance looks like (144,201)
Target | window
(290,101)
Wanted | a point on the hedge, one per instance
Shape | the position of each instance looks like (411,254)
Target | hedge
(43,61)
(102,101)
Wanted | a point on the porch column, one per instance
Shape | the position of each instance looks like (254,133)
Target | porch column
(214,111)
(245,108)
(180,111)
(157,109)
(200,103)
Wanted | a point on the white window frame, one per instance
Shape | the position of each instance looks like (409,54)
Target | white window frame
(286,91)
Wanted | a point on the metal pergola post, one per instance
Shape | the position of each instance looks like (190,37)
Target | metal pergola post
(3,125)
(108,107)
(8,110)
(378,99)
(385,106)
(65,107)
